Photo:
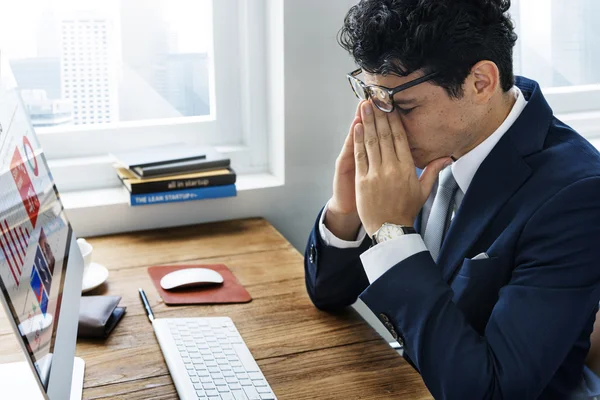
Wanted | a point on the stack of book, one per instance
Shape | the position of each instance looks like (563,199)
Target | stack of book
(174,173)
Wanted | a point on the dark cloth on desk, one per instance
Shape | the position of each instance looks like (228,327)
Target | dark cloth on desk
(515,325)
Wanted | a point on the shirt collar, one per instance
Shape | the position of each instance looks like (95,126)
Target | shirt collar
(464,168)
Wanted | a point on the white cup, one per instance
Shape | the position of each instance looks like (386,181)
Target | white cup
(86,251)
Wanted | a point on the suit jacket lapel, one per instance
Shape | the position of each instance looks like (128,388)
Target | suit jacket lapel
(500,175)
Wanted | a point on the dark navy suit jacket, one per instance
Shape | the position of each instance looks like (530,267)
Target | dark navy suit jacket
(513,326)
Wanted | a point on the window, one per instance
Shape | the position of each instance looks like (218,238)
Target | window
(176,37)
(171,71)
(559,47)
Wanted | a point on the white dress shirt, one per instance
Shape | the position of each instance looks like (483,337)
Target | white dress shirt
(378,259)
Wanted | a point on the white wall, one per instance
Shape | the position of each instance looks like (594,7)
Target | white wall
(319,107)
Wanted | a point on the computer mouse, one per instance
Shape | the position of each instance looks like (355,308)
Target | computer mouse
(190,277)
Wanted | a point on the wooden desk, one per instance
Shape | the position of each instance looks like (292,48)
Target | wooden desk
(304,353)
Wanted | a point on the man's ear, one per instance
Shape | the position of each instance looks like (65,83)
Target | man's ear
(483,81)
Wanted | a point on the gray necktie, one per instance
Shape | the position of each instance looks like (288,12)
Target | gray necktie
(441,212)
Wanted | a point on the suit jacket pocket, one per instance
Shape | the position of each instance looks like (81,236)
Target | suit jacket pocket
(476,287)
(492,266)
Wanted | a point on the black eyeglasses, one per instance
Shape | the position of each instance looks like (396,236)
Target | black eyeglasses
(382,97)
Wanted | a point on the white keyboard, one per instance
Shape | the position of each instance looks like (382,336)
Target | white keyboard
(208,359)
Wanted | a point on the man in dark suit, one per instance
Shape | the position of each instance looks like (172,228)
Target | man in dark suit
(486,266)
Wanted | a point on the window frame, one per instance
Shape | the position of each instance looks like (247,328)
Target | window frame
(237,124)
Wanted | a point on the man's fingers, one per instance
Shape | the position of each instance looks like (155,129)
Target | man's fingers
(348,147)
(349,142)
(371,140)
(360,151)
(399,137)
(384,133)
(431,173)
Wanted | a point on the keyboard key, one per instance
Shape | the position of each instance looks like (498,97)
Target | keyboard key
(243,376)
(246,358)
(227,396)
(198,386)
(195,379)
(255,376)
(267,396)
(260,383)
(223,389)
(206,379)
(251,393)
(263,390)
(239,395)
(209,386)
(220,382)
(212,393)
(228,374)
(245,382)
(200,393)
(231,379)
(235,386)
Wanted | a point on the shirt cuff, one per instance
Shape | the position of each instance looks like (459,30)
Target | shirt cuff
(331,240)
(380,258)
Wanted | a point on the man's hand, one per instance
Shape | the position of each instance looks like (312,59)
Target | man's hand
(342,215)
(387,186)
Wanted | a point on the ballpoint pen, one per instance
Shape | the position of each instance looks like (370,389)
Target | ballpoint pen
(146,304)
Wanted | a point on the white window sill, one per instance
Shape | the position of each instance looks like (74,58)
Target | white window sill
(78,200)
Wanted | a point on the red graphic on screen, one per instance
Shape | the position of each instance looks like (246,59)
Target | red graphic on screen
(13,243)
(31,156)
(25,187)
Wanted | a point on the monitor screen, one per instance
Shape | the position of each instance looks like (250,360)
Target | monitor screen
(34,235)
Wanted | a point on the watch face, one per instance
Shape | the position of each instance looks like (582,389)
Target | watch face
(389,231)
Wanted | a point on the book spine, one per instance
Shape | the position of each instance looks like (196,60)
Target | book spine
(181,184)
(168,169)
(212,192)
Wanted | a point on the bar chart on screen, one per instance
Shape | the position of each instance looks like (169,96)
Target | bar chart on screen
(14,248)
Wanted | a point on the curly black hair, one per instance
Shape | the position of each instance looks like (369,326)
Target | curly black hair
(448,36)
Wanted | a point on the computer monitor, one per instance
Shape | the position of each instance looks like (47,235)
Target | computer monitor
(40,263)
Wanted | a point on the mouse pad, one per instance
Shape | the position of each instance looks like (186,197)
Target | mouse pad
(231,291)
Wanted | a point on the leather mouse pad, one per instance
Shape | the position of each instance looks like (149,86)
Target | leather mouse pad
(231,291)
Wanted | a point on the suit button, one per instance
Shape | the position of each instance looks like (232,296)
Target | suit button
(391,329)
(312,253)
(400,341)
(384,318)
